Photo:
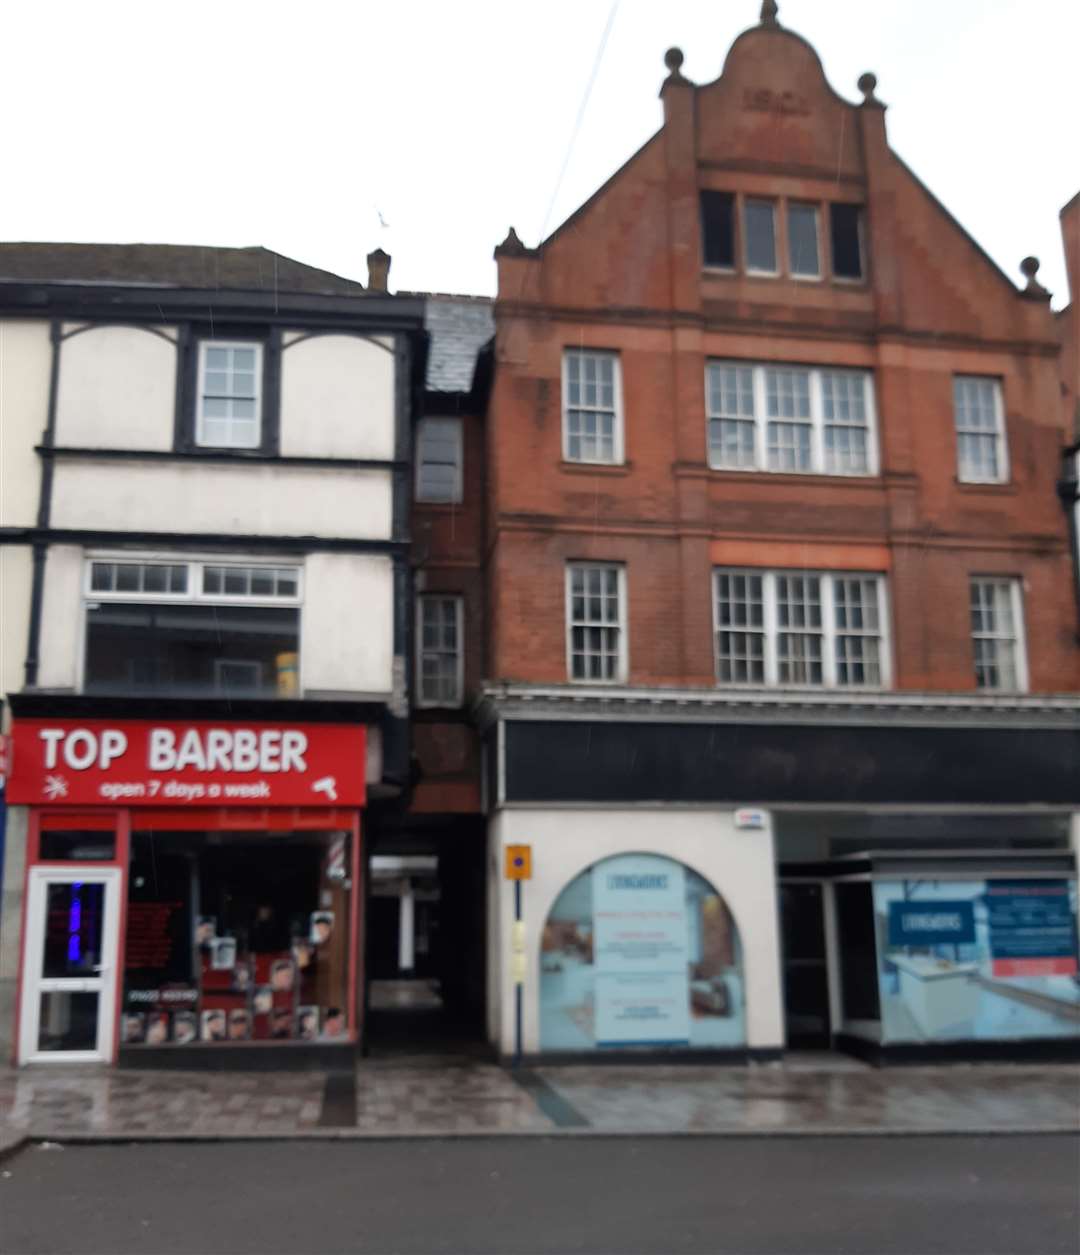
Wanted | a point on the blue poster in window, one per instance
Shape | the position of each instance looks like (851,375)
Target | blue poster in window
(931,923)
(1032,928)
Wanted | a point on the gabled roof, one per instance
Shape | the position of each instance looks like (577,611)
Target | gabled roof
(180,266)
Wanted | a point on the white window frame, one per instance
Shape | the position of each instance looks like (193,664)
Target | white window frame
(457,492)
(623,655)
(815,209)
(817,421)
(618,445)
(774,273)
(427,703)
(1016,597)
(200,395)
(770,628)
(194,563)
(999,433)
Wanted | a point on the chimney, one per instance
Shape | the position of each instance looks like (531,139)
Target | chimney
(378,270)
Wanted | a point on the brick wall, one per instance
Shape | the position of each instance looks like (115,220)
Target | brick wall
(624,274)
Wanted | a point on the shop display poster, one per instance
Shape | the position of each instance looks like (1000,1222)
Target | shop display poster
(641,952)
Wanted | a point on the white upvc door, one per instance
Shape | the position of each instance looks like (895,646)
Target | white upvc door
(68,1011)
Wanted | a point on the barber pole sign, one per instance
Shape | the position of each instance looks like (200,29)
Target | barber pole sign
(137,763)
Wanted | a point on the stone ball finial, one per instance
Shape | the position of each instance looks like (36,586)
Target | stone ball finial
(867,84)
(673,59)
(1029,268)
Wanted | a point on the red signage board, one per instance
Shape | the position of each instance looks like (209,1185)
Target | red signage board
(145,763)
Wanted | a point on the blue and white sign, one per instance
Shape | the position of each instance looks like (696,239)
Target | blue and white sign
(928,923)
(641,952)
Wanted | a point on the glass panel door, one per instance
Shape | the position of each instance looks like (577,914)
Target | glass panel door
(69,968)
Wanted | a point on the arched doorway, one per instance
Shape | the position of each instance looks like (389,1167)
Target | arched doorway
(639,950)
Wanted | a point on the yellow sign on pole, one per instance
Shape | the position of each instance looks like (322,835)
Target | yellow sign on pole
(518,862)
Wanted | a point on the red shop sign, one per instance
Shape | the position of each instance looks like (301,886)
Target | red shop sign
(142,763)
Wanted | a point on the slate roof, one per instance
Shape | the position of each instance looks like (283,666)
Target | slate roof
(185,266)
(459,327)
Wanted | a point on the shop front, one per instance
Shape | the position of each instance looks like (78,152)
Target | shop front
(897,883)
(191,888)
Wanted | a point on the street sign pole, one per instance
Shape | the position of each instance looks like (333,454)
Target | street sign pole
(518,867)
(518,975)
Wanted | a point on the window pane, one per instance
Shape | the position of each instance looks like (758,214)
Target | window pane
(102,577)
(438,460)
(740,655)
(182,648)
(590,417)
(843,395)
(844,230)
(760,235)
(594,622)
(803,240)
(995,634)
(439,651)
(127,578)
(718,229)
(979,438)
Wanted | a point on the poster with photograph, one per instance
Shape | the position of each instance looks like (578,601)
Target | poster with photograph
(282,975)
(185,1028)
(333,1024)
(239,1024)
(223,954)
(322,927)
(307,1023)
(133,1027)
(977,960)
(263,1002)
(281,1023)
(205,930)
(213,1025)
(157,1028)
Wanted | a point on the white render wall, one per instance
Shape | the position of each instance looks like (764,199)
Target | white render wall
(337,397)
(62,617)
(16,573)
(25,361)
(346,628)
(738,864)
(117,388)
(346,620)
(221,498)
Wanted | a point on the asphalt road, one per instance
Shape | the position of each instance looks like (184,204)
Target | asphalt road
(523,1196)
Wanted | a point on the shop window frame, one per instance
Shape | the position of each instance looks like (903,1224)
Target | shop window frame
(193,595)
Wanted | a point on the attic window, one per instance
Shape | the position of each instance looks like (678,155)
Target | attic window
(845,221)
(718,229)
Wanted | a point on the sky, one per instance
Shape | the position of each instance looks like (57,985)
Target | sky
(323,130)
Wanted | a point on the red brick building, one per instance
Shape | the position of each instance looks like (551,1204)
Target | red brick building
(780,594)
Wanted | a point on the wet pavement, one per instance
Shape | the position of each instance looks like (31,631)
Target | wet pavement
(451,1096)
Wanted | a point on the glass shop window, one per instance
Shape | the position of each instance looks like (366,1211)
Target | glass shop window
(237,938)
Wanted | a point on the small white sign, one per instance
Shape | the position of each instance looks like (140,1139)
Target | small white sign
(749,819)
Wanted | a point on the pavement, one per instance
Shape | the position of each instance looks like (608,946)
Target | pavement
(813,1094)
(523,1196)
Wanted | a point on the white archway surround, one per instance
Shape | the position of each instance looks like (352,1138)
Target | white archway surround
(739,864)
